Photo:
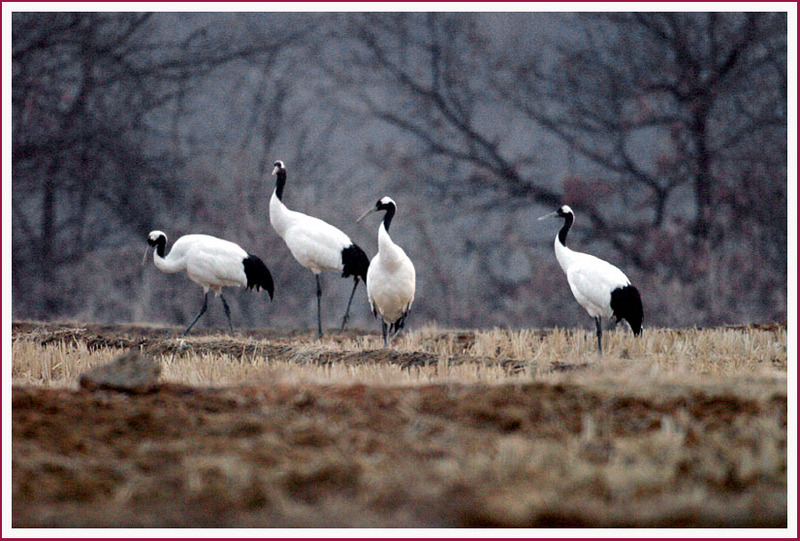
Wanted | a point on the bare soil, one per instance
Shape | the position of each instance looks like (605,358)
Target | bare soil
(431,455)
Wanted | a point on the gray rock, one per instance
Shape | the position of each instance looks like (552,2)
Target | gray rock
(131,372)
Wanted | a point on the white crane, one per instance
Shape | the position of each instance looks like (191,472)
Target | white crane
(391,278)
(315,244)
(600,287)
(211,263)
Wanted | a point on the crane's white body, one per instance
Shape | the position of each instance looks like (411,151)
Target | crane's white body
(315,244)
(391,280)
(211,262)
(590,279)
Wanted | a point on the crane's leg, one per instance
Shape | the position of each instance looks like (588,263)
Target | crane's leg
(347,312)
(319,315)
(394,335)
(227,311)
(383,329)
(599,324)
(398,326)
(202,311)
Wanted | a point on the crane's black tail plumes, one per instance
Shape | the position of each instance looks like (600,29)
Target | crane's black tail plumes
(258,275)
(627,304)
(354,262)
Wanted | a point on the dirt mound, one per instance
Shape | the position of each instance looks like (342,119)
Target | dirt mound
(134,331)
(293,346)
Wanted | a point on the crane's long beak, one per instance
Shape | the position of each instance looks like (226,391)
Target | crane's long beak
(146,251)
(275,170)
(551,215)
(370,211)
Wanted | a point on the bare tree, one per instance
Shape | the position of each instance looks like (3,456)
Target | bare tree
(667,132)
(684,115)
(99,146)
(682,83)
(651,115)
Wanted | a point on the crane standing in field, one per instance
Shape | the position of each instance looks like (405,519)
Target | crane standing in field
(315,244)
(391,278)
(600,287)
(212,263)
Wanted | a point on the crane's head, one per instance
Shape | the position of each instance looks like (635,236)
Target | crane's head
(563,212)
(278,167)
(158,239)
(384,203)
(155,237)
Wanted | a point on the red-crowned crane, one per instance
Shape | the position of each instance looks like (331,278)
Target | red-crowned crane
(391,278)
(212,263)
(315,244)
(600,287)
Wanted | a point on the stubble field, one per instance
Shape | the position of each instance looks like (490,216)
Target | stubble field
(496,428)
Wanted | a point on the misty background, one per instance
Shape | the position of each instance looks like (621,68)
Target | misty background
(665,132)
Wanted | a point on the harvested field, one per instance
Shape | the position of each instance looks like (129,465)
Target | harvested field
(682,428)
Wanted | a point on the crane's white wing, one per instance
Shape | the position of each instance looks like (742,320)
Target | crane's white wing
(592,280)
(316,245)
(215,263)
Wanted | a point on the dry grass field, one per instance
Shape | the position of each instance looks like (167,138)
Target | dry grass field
(496,428)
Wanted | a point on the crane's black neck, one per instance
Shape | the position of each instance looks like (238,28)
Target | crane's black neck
(280,183)
(562,235)
(387,219)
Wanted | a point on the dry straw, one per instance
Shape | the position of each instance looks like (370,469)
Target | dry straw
(430,355)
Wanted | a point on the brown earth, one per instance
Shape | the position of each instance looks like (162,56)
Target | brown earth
(446,455)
